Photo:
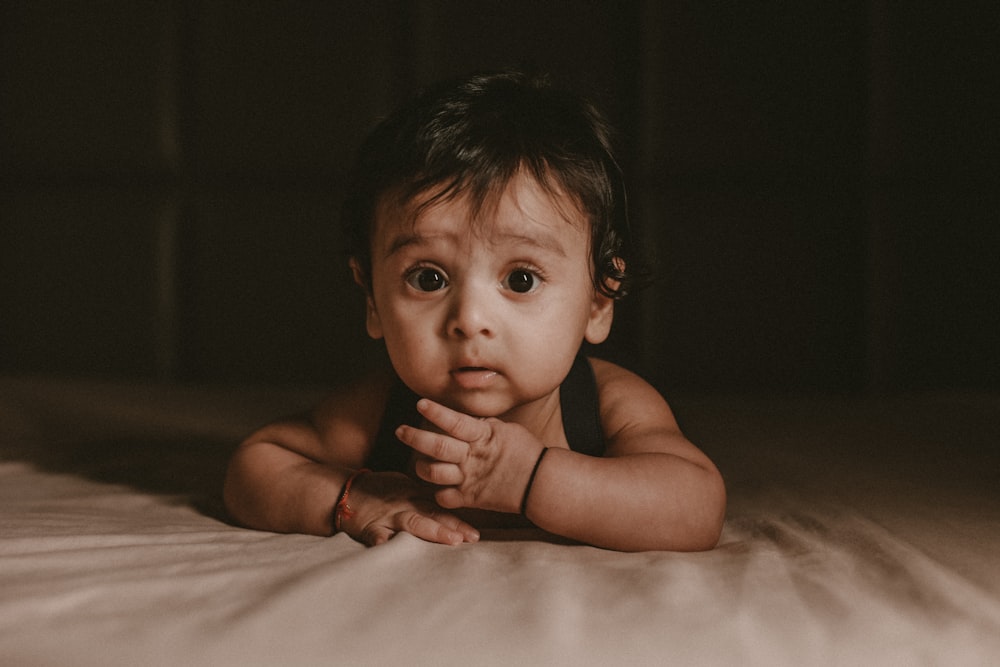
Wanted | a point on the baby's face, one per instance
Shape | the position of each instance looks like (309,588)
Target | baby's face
(486,316)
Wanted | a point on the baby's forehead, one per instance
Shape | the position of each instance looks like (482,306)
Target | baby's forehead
(521,206)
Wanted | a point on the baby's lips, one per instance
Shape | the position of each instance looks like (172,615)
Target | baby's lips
(473,377)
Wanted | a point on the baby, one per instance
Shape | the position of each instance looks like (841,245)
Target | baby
(487,227)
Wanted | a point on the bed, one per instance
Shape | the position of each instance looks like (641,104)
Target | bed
(859,531)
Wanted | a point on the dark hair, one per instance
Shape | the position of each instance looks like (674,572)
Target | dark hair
(472,136)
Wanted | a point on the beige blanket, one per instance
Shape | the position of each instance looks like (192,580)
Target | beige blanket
(858,533)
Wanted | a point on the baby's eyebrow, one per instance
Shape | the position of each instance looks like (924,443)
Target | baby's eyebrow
(403,241)
(541,241)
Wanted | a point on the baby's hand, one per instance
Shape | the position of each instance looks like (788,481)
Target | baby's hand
(481,463)
(385,503)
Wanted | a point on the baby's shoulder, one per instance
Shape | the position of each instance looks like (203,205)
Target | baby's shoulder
(614,380)
(348,417)
(626,398)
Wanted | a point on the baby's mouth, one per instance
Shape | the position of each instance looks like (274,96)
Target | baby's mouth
(473,377)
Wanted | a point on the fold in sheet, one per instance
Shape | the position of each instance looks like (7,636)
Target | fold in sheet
(114,551)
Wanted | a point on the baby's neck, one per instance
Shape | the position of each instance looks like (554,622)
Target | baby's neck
(543,418)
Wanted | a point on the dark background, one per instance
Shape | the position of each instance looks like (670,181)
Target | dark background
(816,182)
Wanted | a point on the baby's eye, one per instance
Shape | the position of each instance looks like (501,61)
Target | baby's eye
(521,281)
(426,280)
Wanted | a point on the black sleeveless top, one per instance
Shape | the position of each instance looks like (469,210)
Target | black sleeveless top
(577,399)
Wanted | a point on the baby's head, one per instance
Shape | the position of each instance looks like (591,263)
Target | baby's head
(470,138)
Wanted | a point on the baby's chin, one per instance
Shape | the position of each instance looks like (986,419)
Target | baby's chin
(476,406)
(502,401)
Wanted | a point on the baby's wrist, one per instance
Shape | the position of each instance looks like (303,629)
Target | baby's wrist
(525,496)
(342,510)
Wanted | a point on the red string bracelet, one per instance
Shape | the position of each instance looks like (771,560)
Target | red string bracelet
(342,510)
(531,480)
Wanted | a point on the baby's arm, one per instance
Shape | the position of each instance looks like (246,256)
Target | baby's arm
(652,490)
(288,476)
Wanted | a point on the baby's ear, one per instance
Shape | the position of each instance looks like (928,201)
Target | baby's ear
(602,313)
(602,309)
(359,274)
(372,322)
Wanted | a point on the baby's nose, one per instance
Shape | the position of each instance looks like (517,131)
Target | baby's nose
(471,314)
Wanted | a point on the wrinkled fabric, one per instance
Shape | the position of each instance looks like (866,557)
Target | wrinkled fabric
(857,533)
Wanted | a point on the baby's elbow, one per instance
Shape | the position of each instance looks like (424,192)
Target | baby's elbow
(231,496)
(235,493)
(714,511)
(708,517)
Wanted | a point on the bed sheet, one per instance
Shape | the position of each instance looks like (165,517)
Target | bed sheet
(858,532)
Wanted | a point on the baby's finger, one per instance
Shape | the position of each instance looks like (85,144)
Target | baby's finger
(449,520)
(374,535)
(438,472)
(438,446)
(428,529)
(455,423)
(449,498)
